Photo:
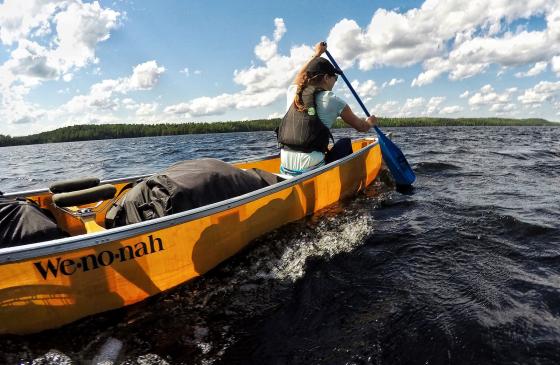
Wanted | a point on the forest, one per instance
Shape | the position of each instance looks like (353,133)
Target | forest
(86,132)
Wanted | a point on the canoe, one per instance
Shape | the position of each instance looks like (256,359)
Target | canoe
(49,284)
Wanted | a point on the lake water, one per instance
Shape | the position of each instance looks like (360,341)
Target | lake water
(464,270)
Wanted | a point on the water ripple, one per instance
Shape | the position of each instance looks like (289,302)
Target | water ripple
(463,270)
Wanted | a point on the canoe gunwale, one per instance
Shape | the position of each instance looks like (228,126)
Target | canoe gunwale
(46,248)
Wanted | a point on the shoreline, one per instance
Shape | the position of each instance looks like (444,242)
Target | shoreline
(91,132)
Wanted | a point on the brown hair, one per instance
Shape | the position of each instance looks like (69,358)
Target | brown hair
(307,80)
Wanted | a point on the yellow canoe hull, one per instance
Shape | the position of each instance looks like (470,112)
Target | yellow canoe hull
(47,285)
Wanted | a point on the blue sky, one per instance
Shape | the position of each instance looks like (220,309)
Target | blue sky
(76,62)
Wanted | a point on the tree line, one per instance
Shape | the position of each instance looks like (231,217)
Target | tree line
(86,132)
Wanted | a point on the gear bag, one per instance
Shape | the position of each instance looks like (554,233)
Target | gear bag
(304,131)
(183,186)
(23,222)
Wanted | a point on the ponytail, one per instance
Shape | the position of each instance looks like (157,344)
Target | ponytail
(298,99)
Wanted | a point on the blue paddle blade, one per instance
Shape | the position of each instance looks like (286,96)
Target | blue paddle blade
(395,160)
(392,155)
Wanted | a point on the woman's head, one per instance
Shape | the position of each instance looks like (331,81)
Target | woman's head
(324,81)
(319,73)
(320,66)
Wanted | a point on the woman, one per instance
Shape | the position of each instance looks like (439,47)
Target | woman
(312,110)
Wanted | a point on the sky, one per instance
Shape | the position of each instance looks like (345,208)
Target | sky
(68,62)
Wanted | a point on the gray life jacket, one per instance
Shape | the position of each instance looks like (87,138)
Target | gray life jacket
(304,131)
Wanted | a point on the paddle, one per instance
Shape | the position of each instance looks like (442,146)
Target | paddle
(392,155)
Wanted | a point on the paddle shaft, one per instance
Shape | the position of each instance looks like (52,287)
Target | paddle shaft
(347,83)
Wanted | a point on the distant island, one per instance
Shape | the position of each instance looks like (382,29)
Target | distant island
(86,132)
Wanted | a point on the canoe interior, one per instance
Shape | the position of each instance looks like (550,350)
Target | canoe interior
(50,290)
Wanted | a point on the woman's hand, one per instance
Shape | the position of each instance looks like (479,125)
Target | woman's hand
(320,48)
(371,121)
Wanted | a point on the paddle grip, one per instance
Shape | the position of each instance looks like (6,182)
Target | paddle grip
(347,83)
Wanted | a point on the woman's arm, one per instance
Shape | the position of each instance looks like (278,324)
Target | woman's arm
(360,124)
(320,48)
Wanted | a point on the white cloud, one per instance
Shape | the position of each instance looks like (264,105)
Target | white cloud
(486,89)
(412,105)
(18,18)
(433,104)
(146,109)
(347,41)
(364,89)
(434,67)
(501,71)
(488,96)
(538,68)
(451,109)
(277,72)
(393,82)
(80,27)
(43,53)
(185,71)
(268,48)
(390,107)
(465,70)
(29,63)
(555,65)
(543,91)
(129,103)
(449,37)
(144,77)
(465,94)
(389,39)
(23,113)
(502,108)
(280,29)
(220,104)
(203,106)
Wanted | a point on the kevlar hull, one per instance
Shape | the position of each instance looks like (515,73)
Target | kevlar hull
(49,284)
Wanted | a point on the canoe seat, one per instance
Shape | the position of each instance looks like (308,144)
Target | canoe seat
(85,196)
(73,185)
(69,196)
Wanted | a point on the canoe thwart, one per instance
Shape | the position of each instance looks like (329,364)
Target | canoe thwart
(85,196)
(73,185)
